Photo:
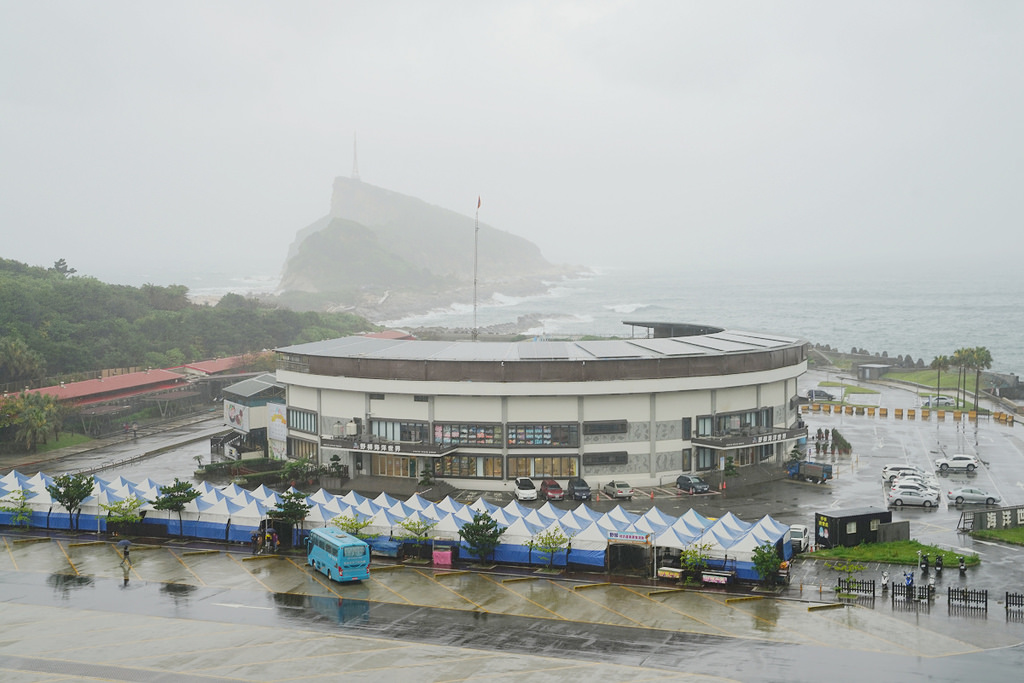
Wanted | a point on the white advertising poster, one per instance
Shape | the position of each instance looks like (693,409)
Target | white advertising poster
(237,416)
(277,422)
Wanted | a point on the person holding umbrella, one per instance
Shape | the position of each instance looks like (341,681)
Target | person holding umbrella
(124,545)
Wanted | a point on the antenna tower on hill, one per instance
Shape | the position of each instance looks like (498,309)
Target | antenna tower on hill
(355,159)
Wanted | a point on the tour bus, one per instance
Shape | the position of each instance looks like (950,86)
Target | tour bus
(341,556)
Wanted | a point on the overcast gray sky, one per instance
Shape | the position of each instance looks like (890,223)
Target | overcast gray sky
(138,137)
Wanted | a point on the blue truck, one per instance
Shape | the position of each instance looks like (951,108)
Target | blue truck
(806,470)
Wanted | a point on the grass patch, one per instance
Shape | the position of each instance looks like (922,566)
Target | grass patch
(1014,535)
(927,378)
(64,441)
(897,552)
(848,388)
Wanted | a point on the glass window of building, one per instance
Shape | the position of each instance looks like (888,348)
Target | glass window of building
(561,435)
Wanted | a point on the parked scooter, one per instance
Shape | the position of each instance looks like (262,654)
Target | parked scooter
(908,578)
(963,565)
(938,564)
(924,561)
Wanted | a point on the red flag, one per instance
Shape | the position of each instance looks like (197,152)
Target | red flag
(478,202)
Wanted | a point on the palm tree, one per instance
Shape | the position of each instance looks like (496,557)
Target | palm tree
(939,363)
(981,359)
(961,358)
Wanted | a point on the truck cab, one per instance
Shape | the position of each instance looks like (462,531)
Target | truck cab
(798,538)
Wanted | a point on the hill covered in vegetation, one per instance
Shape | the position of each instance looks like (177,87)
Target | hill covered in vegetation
(55,323)
(380,253)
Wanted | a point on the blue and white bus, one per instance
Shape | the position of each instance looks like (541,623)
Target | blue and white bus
(341,556)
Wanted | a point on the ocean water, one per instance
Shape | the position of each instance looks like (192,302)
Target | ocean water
(893,312)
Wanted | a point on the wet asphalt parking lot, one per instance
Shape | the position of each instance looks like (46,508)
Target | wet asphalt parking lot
(195,612)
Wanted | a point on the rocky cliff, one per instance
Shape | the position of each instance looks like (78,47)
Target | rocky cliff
(382,253)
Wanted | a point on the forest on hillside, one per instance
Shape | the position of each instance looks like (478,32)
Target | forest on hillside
(57,324)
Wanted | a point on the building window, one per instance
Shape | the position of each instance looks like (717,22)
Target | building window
(469,466)
(376,397)
(421,399)
(301,449)
(704,426)
(707,459)
(687,428)
(616,458)
(687,459)
(564,435)
(406,432)
(874,524)
(450,434)
(393,466)
(851,527)
(545,466)
(605,427)
(302,421)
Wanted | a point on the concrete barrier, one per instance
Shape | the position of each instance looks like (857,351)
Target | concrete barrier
(898,413)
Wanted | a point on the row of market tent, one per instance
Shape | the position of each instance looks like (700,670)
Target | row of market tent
(231,513)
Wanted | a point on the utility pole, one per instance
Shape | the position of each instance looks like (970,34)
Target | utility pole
(355,159)
(476,249)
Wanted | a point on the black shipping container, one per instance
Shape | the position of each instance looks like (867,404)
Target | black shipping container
(849,527)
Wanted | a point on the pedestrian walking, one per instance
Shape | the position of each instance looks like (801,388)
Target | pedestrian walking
(254,541)
(268,540)
(274,541)
(135,430)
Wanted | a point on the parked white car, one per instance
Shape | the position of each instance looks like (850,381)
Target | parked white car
(907,496)
(891,471)
(970,494)
(959,461)
(525,489)
(928,482)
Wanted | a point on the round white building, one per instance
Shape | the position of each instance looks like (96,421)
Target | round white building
(685,399)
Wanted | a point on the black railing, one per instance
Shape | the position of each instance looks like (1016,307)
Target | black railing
(866,587)
(967,598)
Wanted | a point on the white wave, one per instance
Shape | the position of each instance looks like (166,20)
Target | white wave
(625,308)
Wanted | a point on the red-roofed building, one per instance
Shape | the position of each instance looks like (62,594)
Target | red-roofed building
(114,387)
(218,366)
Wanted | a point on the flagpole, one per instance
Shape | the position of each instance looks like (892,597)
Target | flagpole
(476,244)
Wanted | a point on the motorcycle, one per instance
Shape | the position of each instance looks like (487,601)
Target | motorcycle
(938,564)
(924,562)
(963,565)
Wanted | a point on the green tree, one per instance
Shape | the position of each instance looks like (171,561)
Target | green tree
(482,535)
(940,364)
(549,542)
(981,359)
(767,563)
(730,467)
(961,359)
(693,559)
(69,490)
(291,509)
(19,361)
(174,498)
(60,267)
(16,503)
(416,530)
(123,511)
(351,524)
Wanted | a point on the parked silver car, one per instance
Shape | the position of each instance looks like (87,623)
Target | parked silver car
(618,489)
(970,494)
(900,497)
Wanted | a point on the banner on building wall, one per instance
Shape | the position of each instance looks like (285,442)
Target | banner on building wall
(237,416)
(277,422)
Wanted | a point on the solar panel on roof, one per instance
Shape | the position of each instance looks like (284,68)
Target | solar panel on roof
(544,351)
(668,347)
(612,348)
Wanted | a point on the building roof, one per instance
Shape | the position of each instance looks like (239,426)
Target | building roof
(390,334)
(254,386)
(114,386)
(213,367)
(722,342)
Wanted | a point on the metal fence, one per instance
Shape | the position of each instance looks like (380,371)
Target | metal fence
(864,587)
(967,598)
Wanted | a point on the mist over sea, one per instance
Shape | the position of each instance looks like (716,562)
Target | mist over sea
(892,312)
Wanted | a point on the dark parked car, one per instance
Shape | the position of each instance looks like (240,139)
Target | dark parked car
(691,484)
(819,395)
(551,490)
(578,489)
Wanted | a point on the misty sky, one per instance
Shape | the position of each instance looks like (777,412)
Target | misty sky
(139,138)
